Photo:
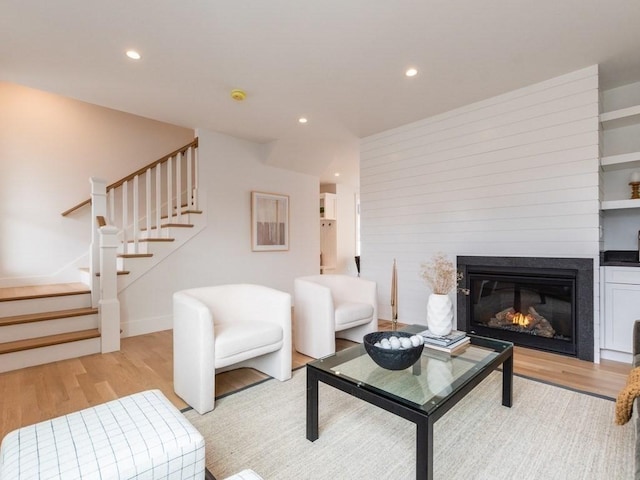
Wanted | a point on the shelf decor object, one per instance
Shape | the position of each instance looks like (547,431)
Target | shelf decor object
(269,222)
(635,185)
(394,296)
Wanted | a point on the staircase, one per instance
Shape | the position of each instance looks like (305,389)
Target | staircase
(38,322)
(45,323)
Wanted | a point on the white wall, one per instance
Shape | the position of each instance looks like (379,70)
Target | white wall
(514,175)
(230,169)
(49,147)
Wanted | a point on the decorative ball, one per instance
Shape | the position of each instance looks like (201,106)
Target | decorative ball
(407,350)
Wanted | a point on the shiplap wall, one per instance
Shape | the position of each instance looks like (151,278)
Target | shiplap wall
(514,175)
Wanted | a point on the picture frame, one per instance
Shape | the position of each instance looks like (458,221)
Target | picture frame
(269,222)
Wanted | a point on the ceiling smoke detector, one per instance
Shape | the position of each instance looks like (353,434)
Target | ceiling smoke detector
(238,95)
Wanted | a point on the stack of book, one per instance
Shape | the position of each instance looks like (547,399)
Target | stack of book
(451,343)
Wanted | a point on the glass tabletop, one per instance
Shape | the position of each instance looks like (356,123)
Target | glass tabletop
(433,379)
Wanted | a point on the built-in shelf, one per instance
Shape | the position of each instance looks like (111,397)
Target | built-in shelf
(619,204)
(623,161)
(621,118)
(620,162)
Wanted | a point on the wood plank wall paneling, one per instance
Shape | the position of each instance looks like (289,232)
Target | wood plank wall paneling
(513,175)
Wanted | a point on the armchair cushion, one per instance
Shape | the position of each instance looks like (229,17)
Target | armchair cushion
(234,340)
(352,314)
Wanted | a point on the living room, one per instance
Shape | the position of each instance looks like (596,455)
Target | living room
(511,170)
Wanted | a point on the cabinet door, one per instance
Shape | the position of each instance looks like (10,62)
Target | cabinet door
(328,206)
(622,309)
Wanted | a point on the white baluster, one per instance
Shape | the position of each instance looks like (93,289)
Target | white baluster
(196,177)
(109,306)
(98,208)
(189,156)
(158,198)
(169,190)
(147,202)
(136,215)
(125,216)
(179,187)
(111,194)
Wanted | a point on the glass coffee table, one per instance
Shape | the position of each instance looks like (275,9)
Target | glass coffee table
(421,394)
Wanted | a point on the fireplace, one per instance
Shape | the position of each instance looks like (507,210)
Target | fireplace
(543,303)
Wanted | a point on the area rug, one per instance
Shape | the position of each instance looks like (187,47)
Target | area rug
(549,433)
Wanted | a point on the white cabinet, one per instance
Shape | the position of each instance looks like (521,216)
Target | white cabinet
(328,206)
(621,307)
(328,232)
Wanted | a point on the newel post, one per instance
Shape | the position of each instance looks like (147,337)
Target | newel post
(98,209)
(109,305)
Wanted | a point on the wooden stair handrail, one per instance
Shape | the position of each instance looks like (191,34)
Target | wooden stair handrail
(140,171)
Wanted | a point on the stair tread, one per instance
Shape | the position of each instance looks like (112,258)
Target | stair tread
(135,255)
(42,291)
(154,240)
(165,225)
(39,317)
(119,272)
(184,212)
(49,340)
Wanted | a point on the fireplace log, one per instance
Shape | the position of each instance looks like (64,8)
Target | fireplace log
(538,325)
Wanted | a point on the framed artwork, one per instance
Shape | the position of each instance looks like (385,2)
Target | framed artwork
(269,222)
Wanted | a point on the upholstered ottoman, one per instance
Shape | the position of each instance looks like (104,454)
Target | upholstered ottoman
(142,436)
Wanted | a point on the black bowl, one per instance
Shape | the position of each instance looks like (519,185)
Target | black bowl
(391,359)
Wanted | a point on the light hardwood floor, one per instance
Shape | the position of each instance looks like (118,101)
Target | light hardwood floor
(38,393)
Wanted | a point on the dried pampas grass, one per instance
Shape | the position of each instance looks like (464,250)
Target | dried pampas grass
(440,274)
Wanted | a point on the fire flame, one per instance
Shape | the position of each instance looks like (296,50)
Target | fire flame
(520,319)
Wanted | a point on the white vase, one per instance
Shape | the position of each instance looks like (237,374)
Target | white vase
(439,314)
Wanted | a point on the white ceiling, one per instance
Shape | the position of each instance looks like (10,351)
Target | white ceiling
(340,63)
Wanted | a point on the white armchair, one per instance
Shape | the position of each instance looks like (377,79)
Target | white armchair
(330,306)
(224,327)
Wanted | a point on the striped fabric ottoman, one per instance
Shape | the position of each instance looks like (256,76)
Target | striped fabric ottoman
(142,436)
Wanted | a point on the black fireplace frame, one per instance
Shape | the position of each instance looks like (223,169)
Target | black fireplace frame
(583,344)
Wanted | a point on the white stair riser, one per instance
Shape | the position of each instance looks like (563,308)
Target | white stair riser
(85,277)
(23,331)
(149,247)
(126,263)
(143,247)
(40,305)
(187,218)
(42,355)
(167,232)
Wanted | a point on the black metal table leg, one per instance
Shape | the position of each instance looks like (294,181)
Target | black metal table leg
(312,405)
(507,381)
(424,449)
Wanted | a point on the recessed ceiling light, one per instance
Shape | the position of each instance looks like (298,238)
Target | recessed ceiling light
(302,120)
(132,54)
(337,174)
(411,72)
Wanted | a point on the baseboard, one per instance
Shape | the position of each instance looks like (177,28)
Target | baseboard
(616,356)
(133,328)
